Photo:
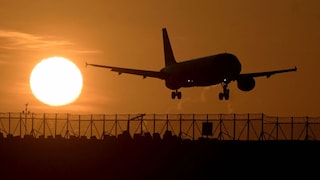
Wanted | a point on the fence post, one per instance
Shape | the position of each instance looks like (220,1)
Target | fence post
(44,125)
(193,127)
(234,126)
(167,122)
(32,130)
(248,127)
(180,125)
(291,128)
(141,125)
(220,127)
(307,128)
(9,123)
(55,125)
(79,129)
(277,128)
(67,133)
(116,124)
(104,125)
(262,128)
(154,123)
(90,125)
(128,124)
(20,125)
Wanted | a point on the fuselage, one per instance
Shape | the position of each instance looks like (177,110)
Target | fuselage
(220,68)
(203,71)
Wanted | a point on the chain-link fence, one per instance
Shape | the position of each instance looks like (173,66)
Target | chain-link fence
(185,126)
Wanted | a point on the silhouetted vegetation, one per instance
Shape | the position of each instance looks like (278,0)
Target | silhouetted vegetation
(150,156)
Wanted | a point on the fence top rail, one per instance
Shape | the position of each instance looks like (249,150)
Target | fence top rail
(158,114)
(221,126)
(140,116)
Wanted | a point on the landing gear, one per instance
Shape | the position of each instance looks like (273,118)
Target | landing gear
(225,93)
(175,94)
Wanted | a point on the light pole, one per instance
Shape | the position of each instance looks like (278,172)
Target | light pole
(26,112)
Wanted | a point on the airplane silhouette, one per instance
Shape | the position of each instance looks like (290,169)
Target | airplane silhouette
(221,68)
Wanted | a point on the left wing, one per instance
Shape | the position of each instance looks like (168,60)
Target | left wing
(144,73)
(267,73)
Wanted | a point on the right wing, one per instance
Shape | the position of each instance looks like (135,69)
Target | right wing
(144,73)
(267,73)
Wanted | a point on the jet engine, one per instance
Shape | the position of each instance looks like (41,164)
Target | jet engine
(246,83)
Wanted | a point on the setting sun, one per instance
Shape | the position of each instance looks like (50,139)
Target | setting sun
(56,81)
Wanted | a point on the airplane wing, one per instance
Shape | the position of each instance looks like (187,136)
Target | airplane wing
(267,73)
(144,73)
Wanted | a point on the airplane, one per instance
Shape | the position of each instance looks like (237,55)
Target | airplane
(221,68)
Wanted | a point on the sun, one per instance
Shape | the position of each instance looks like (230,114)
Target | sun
(56,81)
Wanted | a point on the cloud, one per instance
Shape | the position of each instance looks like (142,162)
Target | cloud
(203,93)
(13,40)
(18,40)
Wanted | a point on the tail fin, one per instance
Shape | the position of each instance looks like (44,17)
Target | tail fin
(168,53)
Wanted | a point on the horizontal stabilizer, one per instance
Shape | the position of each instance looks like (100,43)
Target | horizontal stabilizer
(144,73)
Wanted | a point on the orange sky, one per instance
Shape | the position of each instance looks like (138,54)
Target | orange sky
(264,35)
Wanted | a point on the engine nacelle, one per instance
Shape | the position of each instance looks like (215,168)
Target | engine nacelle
(246,83)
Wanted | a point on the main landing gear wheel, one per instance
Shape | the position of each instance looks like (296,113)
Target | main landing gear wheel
(225,93)
(175,94)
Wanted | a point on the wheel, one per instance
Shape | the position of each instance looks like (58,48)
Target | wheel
(226,96)
(221,95)
(173,95)
(179,95)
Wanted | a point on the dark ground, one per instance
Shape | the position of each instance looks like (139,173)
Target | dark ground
(147,157)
